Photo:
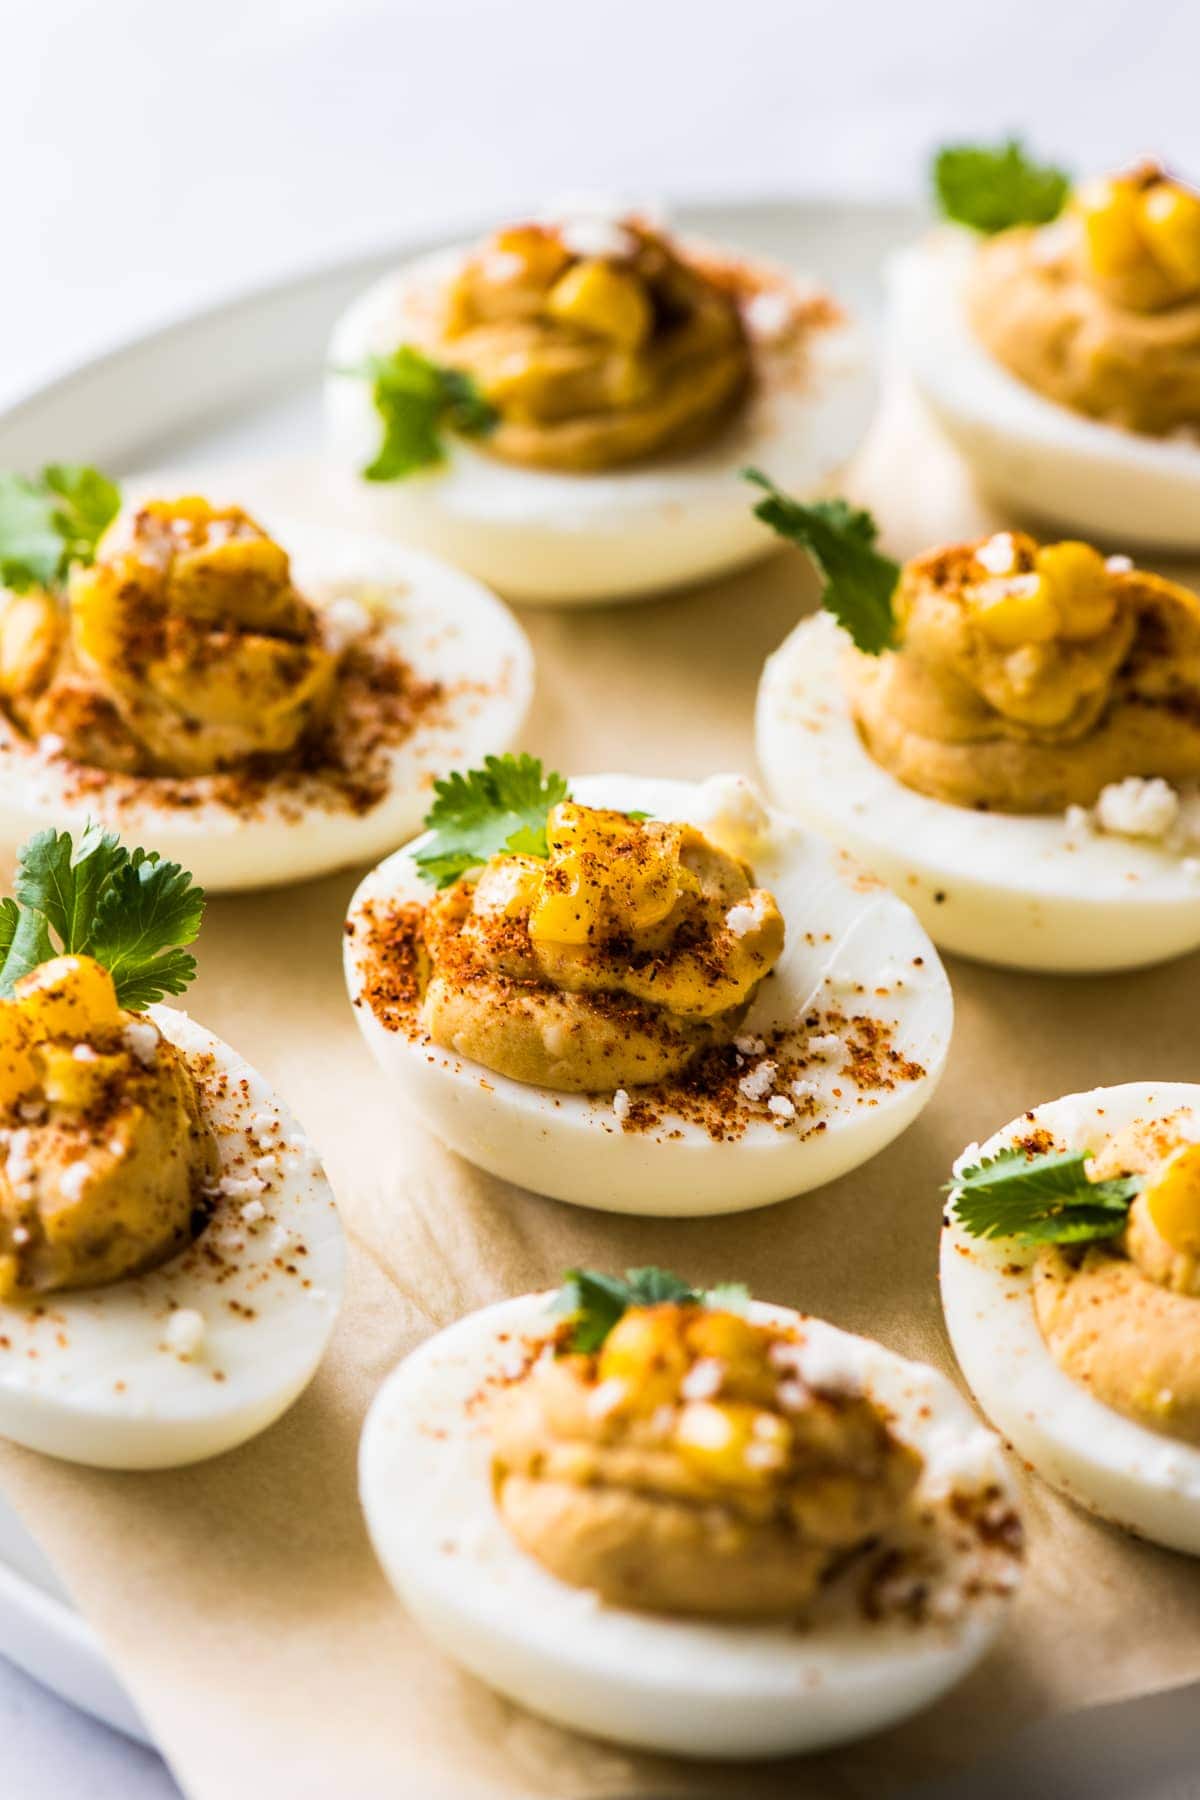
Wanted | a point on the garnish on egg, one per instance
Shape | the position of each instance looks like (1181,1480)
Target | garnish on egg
(1040,1199)
(840,539)
(480,812)
(419,402)
(51,523)
(993,187)
(592,1302)
(128,910)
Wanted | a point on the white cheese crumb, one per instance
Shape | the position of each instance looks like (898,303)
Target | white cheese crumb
(621,1104)
(803,1089)
(596,237)
(73,1179)
(821,1361)
(266,1165)
(769,316)
(84,1053)
(999,554)
(732,814)
(1118,565)
(1138,808)
(185,1331)
(279,1240)
(142,1041)
(253,1211)
(759,1082)
(605,1398)
(264,1125)
(703,1379)
(237,1187)
(342,621)
(19,1166)
(1079,822)
(781,1106)
(962,1465)
(764,1456)
(827,1046)
(743,917)
(50,743)
(750,1045)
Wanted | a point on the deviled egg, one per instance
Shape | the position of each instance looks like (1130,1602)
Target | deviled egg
(561,409)
(689,1522)
(262,714)
(646,996)
(1070,1274)
(1007,733)
(1061,350)
(170,1252)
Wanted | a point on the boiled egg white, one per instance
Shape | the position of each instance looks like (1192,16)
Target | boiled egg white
(205,1351)
(551,538)
(448,630)
(856,965)
(1105,1461)
(683,1686)
(1035,455)
(1022,890)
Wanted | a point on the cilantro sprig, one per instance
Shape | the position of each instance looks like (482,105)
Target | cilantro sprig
(128,909)
(840,539)
(476,814)
(419,401)
(52,521)
(990,187)
(1040,1199)
(594,1302)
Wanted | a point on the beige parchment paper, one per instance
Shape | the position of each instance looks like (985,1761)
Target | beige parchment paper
(240,1600)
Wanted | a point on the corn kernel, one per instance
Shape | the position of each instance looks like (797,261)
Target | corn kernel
(646,1352)
(69,996)
(604,872)
(740,1348)
(18,1074)
(1015,609)
(732,1443)
(609,301)
(1173,1201)
(1080,587)
(67,1080)
(1169,216)
(1111,212)
(29,631)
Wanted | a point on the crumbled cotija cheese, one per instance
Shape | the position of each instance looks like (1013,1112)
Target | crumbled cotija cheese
(828,1046)
(253,1211)
(342,621)
(185,1331)
(620,1104)
(1138,808)
(781,1106)
(999,554)
(759,1082)
(141,1039)
(742,918)
(73,1179)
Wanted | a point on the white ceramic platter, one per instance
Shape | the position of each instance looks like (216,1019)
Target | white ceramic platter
(241,383)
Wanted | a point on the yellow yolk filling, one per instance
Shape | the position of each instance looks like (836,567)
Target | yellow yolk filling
(105,1151)
(1173,1200)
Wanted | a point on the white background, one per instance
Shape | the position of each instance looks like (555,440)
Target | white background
(154,156)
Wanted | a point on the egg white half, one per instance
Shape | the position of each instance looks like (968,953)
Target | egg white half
(683,1686)
(1020,890)
(1110,1464)
(850,944)
(446,627)
(549,538)
(1120,487)
(96,1376)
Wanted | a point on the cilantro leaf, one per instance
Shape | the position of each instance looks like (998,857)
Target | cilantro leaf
(51,522)
(859,581)
(128,909)
(1040,1199)
(502,806)
(594,1302)
(990,188)
(418,400)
